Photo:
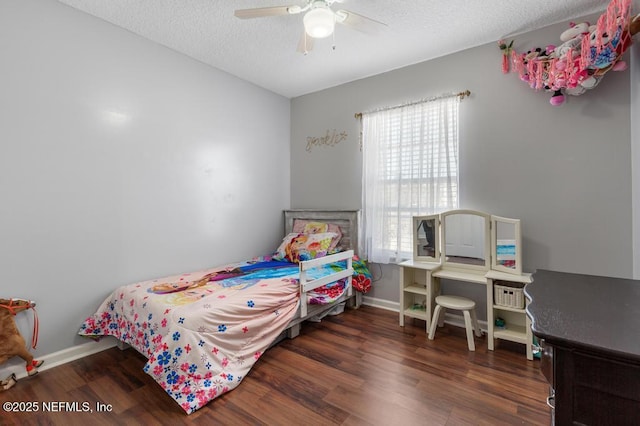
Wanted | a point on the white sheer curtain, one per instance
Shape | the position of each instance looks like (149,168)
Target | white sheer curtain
(410,167)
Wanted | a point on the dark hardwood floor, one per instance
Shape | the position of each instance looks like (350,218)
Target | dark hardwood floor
(357,368)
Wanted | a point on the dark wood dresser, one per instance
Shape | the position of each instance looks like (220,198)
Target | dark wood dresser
(589,328)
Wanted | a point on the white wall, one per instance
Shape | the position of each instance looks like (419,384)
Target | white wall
(124,161)
(565,171)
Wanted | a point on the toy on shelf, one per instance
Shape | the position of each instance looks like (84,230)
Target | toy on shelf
(586,54)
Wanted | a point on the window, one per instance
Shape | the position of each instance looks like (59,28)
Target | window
(410,167)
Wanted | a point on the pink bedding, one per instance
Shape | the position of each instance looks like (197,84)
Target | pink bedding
(202,332)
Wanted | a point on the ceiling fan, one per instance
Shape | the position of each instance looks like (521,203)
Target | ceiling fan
(319,19)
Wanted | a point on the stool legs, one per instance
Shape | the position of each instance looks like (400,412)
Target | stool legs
(434,321)
(469,326)
(470,323)
(476,327)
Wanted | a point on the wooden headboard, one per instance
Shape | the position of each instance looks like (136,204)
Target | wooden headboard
(347,220)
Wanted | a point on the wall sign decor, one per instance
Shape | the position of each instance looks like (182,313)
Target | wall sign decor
(586,54)
(331,138)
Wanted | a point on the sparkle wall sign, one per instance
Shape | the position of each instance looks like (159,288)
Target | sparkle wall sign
(330,138)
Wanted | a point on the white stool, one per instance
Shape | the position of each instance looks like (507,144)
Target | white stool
(467,306)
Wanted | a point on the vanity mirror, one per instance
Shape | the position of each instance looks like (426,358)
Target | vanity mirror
(466,240)
(426,238)
(506,245)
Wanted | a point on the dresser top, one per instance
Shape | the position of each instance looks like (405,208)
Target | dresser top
(591,312)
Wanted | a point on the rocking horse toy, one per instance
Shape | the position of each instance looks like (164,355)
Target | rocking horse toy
(11,341)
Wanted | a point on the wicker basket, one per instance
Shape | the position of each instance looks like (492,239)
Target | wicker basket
(510,295)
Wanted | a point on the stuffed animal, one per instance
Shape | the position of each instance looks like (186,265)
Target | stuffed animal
(11,341)
(575,31)
(571,78)
(557,99)
(8,383)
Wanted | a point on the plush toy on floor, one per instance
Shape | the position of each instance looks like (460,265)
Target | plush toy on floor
(11,341)
(8,382)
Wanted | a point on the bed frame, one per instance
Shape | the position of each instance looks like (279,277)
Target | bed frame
(348,222)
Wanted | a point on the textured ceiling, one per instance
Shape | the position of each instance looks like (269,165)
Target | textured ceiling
(263,50)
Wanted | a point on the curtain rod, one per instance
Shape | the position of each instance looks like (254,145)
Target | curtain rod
(449,95)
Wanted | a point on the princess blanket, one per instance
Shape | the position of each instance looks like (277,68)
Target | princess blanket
(202,332)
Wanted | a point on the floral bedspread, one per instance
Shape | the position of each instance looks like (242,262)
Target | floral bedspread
(203,331)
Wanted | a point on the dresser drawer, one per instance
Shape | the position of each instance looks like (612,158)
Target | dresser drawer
(607,376)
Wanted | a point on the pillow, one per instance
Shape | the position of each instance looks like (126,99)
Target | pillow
(297,247)
(312,227)
(280,251)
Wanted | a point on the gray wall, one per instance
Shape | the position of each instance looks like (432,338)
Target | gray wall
(565,171)
(635,154)
(124,161)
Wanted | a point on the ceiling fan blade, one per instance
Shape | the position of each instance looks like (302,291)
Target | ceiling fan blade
(358,22)
(305,45)
(261,12)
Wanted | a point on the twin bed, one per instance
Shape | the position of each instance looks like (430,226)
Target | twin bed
(203,331)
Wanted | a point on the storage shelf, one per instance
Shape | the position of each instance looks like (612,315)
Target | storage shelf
(514,333)
(518,324)
(524,278)
(506,308)
(416,289)
(416,313)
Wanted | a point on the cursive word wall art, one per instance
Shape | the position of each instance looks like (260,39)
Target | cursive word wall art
(330,138)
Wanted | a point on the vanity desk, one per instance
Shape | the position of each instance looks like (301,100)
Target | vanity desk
(473,247)
(588,329)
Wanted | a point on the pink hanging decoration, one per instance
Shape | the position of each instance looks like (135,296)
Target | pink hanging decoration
(569,58)
(531,72)
(552,72)
(506,54)
(589,54)
(585,50)
(611,19)
(539,69)
(517,63)
(601,29)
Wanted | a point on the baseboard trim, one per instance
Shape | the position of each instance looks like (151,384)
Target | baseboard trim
(62,357)
(381,303)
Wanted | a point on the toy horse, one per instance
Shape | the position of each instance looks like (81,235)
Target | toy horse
(11,341)
(8,382)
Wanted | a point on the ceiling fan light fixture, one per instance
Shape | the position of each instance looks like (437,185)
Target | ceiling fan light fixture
(319,22)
